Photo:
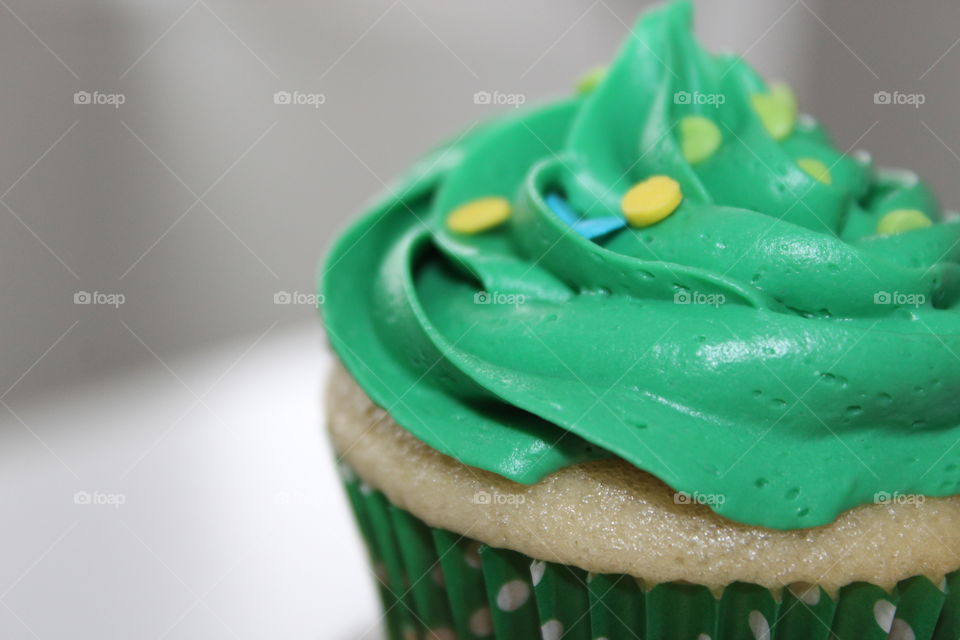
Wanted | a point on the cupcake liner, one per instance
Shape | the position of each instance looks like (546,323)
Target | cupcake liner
(438,585)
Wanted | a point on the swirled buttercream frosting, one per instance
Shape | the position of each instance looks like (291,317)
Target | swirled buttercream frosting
(675,268)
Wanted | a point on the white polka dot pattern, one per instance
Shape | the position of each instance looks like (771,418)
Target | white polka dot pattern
(472,555)
(551,630)
(758,625)
(481,622)
(513,595)
(537,567)
(883,612)
(442,633)
(901,631)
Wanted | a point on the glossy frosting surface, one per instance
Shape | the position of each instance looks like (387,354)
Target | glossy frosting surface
(762,347)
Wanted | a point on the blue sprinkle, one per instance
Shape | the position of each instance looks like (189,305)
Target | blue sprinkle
(596,227)
(562,209)
(589,228)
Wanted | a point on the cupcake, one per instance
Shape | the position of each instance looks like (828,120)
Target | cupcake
(657,361)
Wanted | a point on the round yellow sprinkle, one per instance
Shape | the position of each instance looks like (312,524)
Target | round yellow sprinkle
(816,169)
(589,81)
(900,220)
(651,201)
(479,215)
(777,110)
(699,138)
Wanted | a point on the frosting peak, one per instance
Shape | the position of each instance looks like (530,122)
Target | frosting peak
(783,342)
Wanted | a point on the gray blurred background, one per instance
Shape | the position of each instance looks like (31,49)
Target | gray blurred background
(199,200)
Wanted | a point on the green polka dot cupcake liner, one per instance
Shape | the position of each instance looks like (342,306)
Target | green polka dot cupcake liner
(438,585)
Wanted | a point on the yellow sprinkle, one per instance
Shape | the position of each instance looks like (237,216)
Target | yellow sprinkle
(651,201)
(589,81)
(900,220)
(816,169)
(699,138)
(479,215)
(777,110)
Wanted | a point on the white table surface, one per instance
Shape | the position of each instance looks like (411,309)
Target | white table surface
(214,508)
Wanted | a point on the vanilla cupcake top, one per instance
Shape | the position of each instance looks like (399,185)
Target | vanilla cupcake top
(675,269)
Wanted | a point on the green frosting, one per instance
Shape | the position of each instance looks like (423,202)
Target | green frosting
(761,349)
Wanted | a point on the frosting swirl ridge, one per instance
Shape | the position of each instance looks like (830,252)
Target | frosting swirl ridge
(768,346)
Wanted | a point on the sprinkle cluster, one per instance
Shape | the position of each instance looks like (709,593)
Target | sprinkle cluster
(655,198)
